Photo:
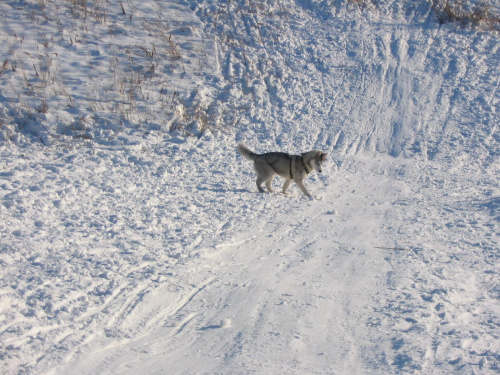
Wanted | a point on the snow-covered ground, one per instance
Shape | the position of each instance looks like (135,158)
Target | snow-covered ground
(133,239)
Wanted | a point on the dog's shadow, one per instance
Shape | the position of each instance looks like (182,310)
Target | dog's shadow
(223,190)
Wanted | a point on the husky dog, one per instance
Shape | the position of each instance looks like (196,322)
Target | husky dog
(290,167)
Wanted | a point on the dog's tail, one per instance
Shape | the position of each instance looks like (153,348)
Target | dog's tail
(245,151)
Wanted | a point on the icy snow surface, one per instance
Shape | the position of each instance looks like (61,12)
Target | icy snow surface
(133,239)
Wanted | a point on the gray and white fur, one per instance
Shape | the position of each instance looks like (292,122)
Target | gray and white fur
(290,167)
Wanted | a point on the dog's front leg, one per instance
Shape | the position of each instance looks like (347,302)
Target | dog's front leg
(286,185)
(301,186)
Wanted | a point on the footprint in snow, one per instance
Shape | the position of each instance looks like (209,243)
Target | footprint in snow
(227,225)
(224,323)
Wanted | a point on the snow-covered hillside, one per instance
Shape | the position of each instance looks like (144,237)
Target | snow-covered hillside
(133,239)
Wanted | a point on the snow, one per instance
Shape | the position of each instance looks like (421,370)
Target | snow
(133,239)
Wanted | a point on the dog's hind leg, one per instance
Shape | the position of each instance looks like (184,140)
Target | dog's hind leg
(260,180)
(268,184)
(265,177)
(265,173)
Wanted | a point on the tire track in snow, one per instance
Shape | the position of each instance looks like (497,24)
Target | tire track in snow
(174,309)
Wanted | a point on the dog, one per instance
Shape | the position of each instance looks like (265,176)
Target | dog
(290,167)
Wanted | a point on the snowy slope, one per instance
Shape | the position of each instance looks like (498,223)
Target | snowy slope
(129,247)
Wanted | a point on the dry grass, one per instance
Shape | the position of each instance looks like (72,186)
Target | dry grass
(363,4)
(36,73)
(86,8)
(466,14)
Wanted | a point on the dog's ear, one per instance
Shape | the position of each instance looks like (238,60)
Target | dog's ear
(323,156)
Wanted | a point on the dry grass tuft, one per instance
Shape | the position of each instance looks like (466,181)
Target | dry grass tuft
(466,14)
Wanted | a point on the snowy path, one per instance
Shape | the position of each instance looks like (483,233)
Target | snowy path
(393,268)
(344,284)
(300,284)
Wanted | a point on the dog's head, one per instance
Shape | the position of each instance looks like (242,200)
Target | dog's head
(317,160)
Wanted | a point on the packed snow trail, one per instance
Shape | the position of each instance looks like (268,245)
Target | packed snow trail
(349,283)
(289,294)
(395,260)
